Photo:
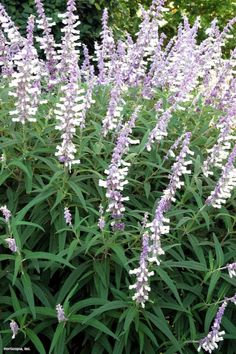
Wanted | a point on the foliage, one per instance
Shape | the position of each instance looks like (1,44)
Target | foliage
(87,270)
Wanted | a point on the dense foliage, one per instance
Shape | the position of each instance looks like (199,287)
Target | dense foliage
(156,124)
(123,15)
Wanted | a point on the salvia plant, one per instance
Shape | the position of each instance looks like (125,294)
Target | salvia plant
(118,175)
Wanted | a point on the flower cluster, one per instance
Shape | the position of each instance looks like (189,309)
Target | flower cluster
(88,98)
(25,82)
(69,112)
(104,51)
(220,151)
(68,53)
(11,244)
(6,213)
(67,216)
(160,130)
(14,328)
(231,267)
(160,224)
(47,42)
(6,63)
(117,173)
(210,342)
(60,313)
(232,270)
(225,184)
(142,274)
(101,221)
(9,28)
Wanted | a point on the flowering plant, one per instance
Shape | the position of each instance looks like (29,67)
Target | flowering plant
(91,142)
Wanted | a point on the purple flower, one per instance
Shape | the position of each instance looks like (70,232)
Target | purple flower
(47,42)
(220,151)
(232,269)
(225,184)
(14,328)
(25,81)
(160,130)
(6,62)
(11,244)
(145,219)
(101,221)
(210,342)
(88,98)
(69,48)
(6,212)
(85,68)
(142,274)
(105,50)
(67,216)
(69,111)
(9,27)
(160,224)
(60,313)
(115,107)
(233,299)
(117,173)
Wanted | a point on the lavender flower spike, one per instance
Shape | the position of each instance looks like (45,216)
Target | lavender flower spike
(14,328)
(142,273)
(231,269)
(160,130)
(11,244)
(67,216)
(225,184)
(6,212)
(47,42)
(25,81)
(209,343)
(101,221)
(159,226)
(117,172)
(69,112)
(60,313)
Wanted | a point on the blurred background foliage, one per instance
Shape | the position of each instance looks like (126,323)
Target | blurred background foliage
(124,15)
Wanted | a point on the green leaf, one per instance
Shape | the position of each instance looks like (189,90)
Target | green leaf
(92,322)
(188,265)
(130,315)
(17,267)
(162,325)
(169,282)
(214,279)
(143,328)
(22,167)
(121,258)
(211,312)
(48,256)
(219,252)
(35,340)
(57,335)
(45,194)
(27,223)
(71,280)
(3,176)
(113,305)
(28,292)
(78,192)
